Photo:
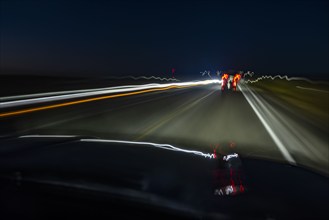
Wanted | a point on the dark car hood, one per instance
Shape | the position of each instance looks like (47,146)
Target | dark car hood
(147,173)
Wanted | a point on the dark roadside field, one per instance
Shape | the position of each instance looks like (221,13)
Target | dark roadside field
(11,85)
(308,99)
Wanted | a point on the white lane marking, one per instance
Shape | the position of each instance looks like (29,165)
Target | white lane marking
(311,89)
(163,146)
(46,135)
(102,92)
(275,138)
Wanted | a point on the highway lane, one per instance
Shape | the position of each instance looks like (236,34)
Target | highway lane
(200,118)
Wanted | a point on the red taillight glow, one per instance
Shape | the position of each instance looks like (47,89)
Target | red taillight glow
(237,77)
(225,76)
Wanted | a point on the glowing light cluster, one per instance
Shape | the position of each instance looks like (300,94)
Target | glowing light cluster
(225,76)
(237,77)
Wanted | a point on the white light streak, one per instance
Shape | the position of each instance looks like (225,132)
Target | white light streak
(206,72)
(17,97)
(229,190)
(101,91)
(279,77)
(88,90)
(163,146)
(46,136)
(312,89)
(144,77)
(268,128)
(227,157)
(248,74)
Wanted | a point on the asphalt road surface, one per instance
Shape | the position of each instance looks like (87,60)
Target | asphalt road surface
(200,117)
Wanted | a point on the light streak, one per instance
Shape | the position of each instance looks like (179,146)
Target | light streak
(256,102)
(162,146)
(228,157)
(144,77)
(35,95)
(280,77)
(229,190)
(248,74)
(206,72)
(140,90)
(77,94)
(78,102)
(312,89)
(46,135)
(110,90)
(89,90)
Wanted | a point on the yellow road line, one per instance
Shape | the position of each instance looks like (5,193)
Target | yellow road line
(18,112)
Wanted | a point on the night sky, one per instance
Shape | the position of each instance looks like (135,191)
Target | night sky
(116,38)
